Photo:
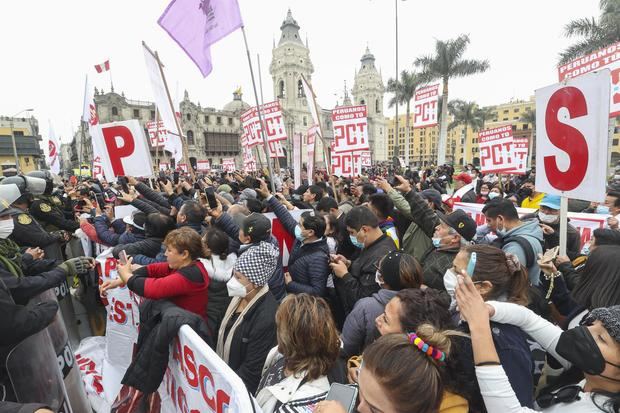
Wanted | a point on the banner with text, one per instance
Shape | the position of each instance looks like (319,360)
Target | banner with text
(496,150)
(124,150)
(350,129)
(203,166)
(425,104)
(366,159)
(607,57)
(347,164)
(585,223)
(274,124)
(520,152)
(157,133)
(228,164)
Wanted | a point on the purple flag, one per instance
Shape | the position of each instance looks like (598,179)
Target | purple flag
(196,24)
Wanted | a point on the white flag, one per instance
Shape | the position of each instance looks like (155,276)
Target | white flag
(311,100)
(53,151)
(166,112)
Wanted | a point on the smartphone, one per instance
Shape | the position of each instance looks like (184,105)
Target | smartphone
(550,254)
(175,177)
(122,181)
(345,395)
(122,257)
(210,193)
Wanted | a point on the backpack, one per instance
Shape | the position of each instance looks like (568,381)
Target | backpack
(530,256)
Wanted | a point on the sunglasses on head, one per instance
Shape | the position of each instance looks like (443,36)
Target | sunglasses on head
(566,394)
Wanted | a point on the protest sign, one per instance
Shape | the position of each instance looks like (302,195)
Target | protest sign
(297,159)
(425,104)
(350,129)
(607,57)
(496,150)
(274,124)
(198,380)
(347,164)
(157,133)
(520,153)
(163,166)
(182,167)
(310,145)
(584,223)
(124,149)
(203,166)
(275,150)
(572,137)
(228,164)
(365,158)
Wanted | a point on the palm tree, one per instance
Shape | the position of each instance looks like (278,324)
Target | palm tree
(447,63)
(403,90)
(529,117)
(594,34)
(466,114)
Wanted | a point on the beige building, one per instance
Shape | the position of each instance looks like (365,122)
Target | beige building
(27,143)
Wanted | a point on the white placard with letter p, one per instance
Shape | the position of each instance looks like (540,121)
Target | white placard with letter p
(572,137)
(124,150)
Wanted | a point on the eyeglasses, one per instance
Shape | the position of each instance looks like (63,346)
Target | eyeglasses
(566,394)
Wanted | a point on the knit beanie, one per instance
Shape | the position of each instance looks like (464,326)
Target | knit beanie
(609,316)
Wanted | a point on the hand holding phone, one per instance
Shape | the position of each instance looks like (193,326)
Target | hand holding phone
(550,254)
(122,257)
(211,199)
(345,395)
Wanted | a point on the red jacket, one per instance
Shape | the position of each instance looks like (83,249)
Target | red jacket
(186,287)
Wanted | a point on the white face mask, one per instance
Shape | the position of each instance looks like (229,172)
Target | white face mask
(378,279)
(235,288)
(6,228)
(547,218)
(450,281)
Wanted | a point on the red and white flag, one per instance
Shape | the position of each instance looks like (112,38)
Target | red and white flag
(103,67)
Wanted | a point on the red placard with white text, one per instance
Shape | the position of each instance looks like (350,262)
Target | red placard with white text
(350,129)
(572,137)
(425,104)
(274,124)
(496,150)
(607,57)
(228,164)
(183,167)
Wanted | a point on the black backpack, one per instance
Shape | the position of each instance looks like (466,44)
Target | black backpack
(530,256)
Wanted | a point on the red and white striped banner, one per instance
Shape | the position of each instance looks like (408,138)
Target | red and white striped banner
(103,67)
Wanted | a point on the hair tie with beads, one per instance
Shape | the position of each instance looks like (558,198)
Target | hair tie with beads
(427,349)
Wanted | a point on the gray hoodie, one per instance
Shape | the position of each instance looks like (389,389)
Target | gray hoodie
(359,327)
(531,231)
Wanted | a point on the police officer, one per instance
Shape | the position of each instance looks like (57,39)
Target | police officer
(27,232)
(48,209)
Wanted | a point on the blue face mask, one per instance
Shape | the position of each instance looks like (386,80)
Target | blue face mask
(436,242)
(298,234)
(602,209)
(493,195)
(586,249)
(355,242)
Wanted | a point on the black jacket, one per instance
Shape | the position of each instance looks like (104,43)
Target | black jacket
(149,247)
(253,339)
(160,321)
(11,407)
(360,282)
(573,239)
(469,196)
(308,263)
(345,246)
(51,215)
(434,263)
(29,233)
(24,288)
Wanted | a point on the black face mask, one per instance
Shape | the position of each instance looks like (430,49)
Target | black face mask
(525,191)
(578,346)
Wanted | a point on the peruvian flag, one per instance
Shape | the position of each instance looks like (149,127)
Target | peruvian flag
(103,67)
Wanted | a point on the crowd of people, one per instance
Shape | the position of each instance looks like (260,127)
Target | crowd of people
(388,288)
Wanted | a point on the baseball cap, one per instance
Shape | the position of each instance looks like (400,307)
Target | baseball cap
(432,195)
(551,201)
(464,177)
(224,188)
(136,219)
(256,226)
(461,222)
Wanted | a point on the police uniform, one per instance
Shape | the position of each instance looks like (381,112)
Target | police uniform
(48,211)
(27,232)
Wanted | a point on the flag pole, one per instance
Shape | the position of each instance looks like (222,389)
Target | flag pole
(328,162)
(157,139)
(260,114)
(176,120)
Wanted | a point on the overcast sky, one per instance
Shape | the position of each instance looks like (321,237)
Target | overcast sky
(49,46)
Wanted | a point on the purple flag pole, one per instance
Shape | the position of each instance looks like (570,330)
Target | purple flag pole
(260,113)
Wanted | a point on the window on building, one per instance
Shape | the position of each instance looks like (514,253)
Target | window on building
(136,114)
(230,121)
(152,115)
(300,89)
(206,118)
(506,111)
(218,120)
(305,121)
(18,133)
(526,126)
(614,142)
(188,116)
(281,89)
(516,110)
(514,127)
(362,102)
(190,138)
(114,111)
(377,108)
(505,119)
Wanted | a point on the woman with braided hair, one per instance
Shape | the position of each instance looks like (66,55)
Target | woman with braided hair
(499,276)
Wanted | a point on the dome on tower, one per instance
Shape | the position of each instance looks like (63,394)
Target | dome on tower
(290,29)
(237,104)
(368,59)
